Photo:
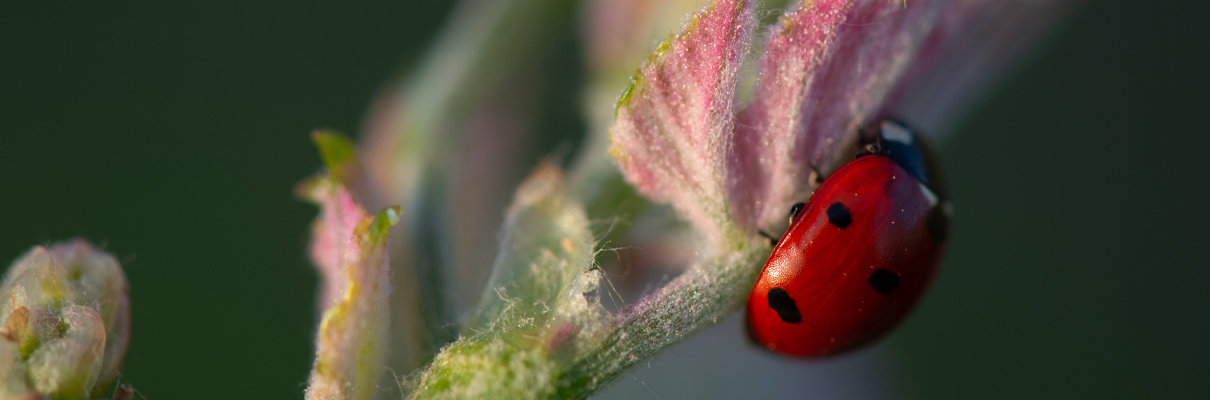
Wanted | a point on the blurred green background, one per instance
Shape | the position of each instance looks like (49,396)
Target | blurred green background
(173,134)
(1078,267)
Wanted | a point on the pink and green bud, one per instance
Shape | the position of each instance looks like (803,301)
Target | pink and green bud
(66,322)
(348,246)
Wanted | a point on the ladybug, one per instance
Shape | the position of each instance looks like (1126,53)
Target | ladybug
(858,255)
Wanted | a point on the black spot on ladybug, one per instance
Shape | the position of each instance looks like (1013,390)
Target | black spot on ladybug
(938,223)
(839,215)
(795,209)
(884,281)
(781,302)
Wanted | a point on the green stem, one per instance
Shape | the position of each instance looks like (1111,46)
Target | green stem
(698,299)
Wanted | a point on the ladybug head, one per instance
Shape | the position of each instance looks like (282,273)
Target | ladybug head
(893,139)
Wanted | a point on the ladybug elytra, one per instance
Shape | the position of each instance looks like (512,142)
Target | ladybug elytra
(858,255)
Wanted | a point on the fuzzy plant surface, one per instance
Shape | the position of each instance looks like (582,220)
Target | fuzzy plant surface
(66,323)
(731,110)
(721,125)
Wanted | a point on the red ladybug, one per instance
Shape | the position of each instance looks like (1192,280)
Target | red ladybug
(857,256)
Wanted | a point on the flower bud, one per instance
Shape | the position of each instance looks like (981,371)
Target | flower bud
(66,322)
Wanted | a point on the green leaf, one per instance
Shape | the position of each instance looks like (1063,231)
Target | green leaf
(337,152)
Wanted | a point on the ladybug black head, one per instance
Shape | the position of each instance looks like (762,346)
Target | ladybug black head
(901,144)
(870,149)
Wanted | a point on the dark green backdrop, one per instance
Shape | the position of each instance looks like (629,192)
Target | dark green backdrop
(173,135)
(1079,264)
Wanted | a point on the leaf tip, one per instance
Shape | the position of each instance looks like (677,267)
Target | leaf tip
(624,100)
(335,149)
(382,222)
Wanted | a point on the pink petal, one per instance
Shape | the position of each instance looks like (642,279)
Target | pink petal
(352,337)
(673,123)
(348,248)
(827,69)
(331,235)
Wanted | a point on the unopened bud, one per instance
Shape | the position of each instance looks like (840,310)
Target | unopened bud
(65,325)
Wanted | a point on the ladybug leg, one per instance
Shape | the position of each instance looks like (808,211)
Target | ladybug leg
(816,176)
(938,221)
(772,240)
(867,146)
(872,148)
(794,210)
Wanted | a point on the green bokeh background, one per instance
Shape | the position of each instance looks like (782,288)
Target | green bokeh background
(173,134)
(1079,266)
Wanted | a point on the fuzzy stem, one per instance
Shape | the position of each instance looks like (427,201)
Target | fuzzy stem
(697,299)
